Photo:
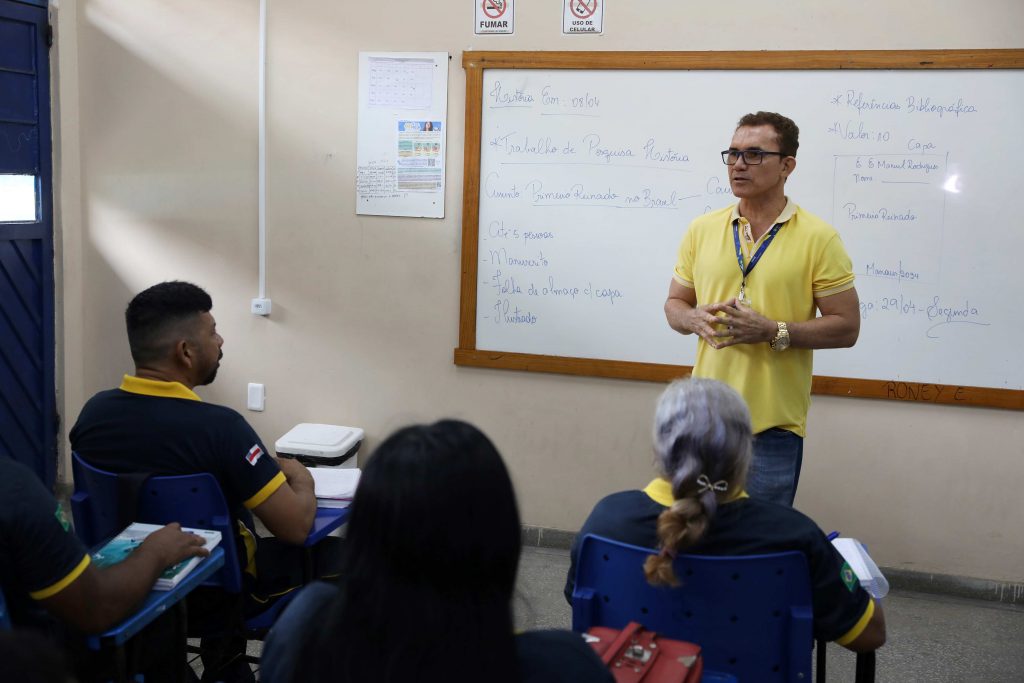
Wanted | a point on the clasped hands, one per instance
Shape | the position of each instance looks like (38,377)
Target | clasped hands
(729,323)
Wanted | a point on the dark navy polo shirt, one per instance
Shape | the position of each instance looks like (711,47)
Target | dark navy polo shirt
(743,526)
(39,556)
(163,428)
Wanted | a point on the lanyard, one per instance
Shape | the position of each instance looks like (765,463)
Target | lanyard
(757,255)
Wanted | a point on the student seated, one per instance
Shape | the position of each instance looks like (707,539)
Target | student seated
(155,423)
(46,572)
(427,580)
(702,444)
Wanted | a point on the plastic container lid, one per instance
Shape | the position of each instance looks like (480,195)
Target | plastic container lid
(319,440)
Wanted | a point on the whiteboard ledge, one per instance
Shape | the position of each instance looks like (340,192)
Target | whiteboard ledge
(895,390)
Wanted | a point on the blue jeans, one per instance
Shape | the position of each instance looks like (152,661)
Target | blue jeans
(775,468)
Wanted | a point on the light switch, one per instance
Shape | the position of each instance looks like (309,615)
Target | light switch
(256,396)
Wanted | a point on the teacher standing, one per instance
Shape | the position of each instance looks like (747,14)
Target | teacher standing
(763,283)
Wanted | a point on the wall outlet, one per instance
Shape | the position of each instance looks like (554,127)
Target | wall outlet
(261,306)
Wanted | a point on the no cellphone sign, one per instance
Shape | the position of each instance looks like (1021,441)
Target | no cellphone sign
(494,16)
(582,16)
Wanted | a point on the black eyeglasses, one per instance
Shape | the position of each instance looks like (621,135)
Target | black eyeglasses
(751,157)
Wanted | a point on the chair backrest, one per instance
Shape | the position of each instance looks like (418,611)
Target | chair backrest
(751,614)
(192,500)
(94,503)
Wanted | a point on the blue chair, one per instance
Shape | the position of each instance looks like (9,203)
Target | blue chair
(103,503)
(751,614)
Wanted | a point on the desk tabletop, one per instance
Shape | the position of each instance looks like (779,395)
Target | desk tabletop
(326,521)
(158,602)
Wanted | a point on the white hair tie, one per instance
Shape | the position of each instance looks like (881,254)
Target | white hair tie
(704,485)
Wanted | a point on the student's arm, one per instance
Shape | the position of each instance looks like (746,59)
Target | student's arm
(872,636)
(289,511)
(99,598)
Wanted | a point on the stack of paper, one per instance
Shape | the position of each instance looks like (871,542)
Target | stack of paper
(856,555)
(334,487)
(122,545)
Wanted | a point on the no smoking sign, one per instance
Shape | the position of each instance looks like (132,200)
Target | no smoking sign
(494,16)
(582,16)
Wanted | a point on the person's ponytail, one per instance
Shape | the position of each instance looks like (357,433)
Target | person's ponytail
(702,446)
(679,527)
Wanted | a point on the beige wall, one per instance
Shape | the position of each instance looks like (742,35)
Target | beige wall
(157,124)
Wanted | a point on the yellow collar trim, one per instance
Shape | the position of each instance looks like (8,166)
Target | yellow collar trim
(153,387)
(660,491)
(788,212)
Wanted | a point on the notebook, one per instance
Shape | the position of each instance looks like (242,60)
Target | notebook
(122,545)
(334,487)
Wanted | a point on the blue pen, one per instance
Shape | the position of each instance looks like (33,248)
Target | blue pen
(832,536)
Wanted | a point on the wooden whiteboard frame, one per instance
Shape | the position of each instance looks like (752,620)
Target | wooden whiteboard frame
(474,63)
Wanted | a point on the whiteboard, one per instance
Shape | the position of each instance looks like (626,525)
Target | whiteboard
(589,178)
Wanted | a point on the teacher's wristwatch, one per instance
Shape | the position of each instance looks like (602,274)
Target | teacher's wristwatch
(781,340)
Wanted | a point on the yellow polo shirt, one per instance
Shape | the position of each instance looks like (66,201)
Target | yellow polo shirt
(805,260)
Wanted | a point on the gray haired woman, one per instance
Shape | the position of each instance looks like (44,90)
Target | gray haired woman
(697,505)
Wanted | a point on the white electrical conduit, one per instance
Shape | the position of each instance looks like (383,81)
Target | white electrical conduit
(263,150)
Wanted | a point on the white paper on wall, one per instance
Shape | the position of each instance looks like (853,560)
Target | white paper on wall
(400,151)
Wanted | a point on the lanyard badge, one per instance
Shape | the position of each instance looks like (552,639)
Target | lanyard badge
(745,271)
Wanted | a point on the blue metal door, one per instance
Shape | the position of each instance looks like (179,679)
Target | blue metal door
(28,415)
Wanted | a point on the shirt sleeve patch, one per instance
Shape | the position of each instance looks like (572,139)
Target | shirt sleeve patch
(849,578)
(55,588)
(265,492)
(254,454)
(61,517)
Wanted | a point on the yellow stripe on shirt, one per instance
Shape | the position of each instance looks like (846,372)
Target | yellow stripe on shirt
(265,492)
(249,541)
(859,627)
(53,589)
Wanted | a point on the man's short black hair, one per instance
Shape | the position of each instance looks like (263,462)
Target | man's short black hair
(785,129)
(161,309)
